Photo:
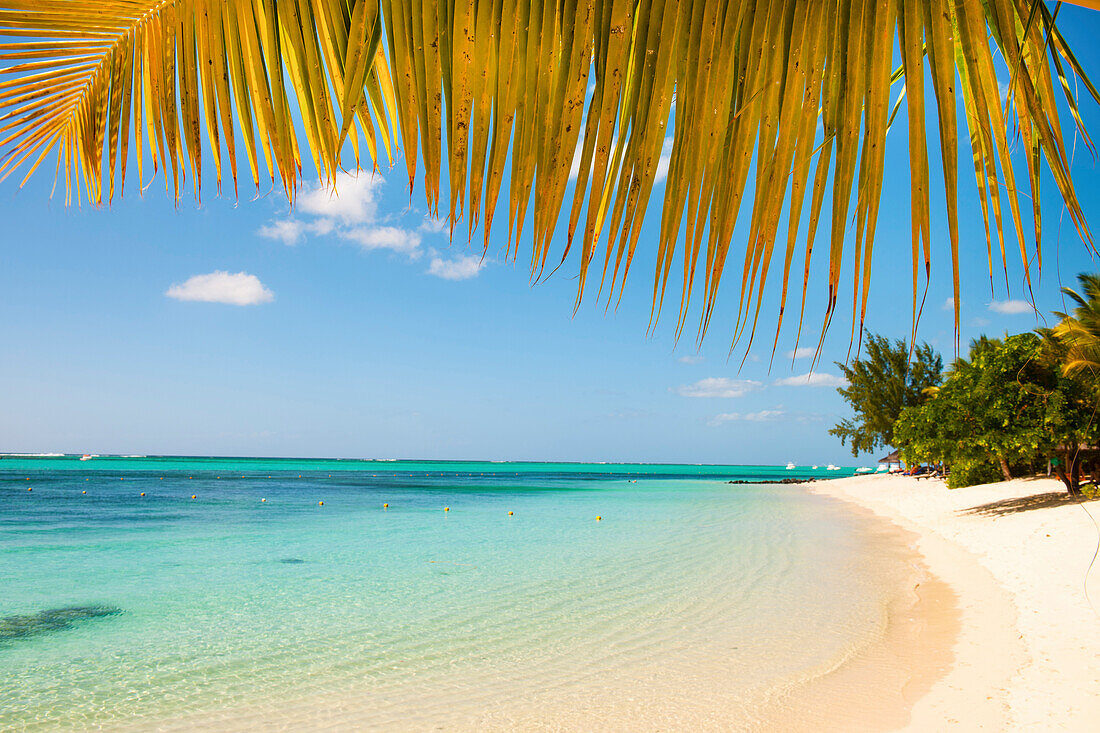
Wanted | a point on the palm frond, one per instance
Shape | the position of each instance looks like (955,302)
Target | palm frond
(77,73)
(746,90)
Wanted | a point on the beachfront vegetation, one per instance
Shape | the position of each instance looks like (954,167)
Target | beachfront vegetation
(1004,410)
(1076,338)
(882,384)
(737,102)
(1011,407)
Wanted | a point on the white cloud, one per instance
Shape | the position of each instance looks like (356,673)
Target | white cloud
(348,210)
(222,287)
(401,241)
(433,225)
(1011,307)
(805,352)
(761,416)
(288,231)
(291,231)
(691,358)
(662,163)
(351,200)
(949,304)
(812,379)
(718,387)
(462,267)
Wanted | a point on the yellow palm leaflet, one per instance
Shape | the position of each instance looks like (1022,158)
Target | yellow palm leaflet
(571,98)
(116,78)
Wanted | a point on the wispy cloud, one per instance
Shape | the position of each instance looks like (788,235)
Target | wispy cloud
(222,287)
(691,358)
(292,231)
(761,416)
(460,267)
(812,379)
(287,231)
(347,210)
(718,387)
(433,225)
(949,304)
(391,238)
(1011,307)
(804,352)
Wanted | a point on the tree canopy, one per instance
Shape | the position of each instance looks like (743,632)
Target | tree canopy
(1078,333)
(880,386)
(1007,407)
(793,96)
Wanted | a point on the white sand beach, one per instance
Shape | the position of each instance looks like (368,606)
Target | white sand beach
(1017,555)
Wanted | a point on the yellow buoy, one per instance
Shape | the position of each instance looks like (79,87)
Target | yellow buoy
(599,518)
(143,493)
(263,499)
(83,492)
(193,496)
(29,489)
(320,503)
(446,508)
(510,513)
(385,506)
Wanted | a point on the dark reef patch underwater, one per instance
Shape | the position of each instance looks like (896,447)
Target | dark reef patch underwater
(20,626)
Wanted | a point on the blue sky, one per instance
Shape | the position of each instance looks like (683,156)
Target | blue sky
(370,335)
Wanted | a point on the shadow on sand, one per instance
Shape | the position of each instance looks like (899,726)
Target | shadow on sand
(1024,504)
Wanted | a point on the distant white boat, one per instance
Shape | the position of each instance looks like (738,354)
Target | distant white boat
(831,467)
(790,466)
(865,469)
(89,456)
(815,468)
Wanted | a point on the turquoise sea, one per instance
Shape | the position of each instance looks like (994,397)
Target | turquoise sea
(486,596)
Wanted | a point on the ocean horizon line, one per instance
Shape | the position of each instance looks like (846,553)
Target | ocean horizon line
(33,455)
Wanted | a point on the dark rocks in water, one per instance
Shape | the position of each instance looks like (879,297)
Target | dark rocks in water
(21,626)
(291,561)
(780,481)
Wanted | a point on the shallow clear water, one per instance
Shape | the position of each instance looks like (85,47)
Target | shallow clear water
(686,605)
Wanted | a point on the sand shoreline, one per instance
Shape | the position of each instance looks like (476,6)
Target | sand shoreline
(1026,654)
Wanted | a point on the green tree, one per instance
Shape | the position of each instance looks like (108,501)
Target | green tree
(1079,332)
(880,386)
(1006,407)
(1073,346)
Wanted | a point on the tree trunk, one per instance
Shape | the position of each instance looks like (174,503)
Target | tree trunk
(1004,468)
(1069,473)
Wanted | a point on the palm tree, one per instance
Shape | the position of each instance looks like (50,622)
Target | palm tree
(1079,333)
(525,86)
